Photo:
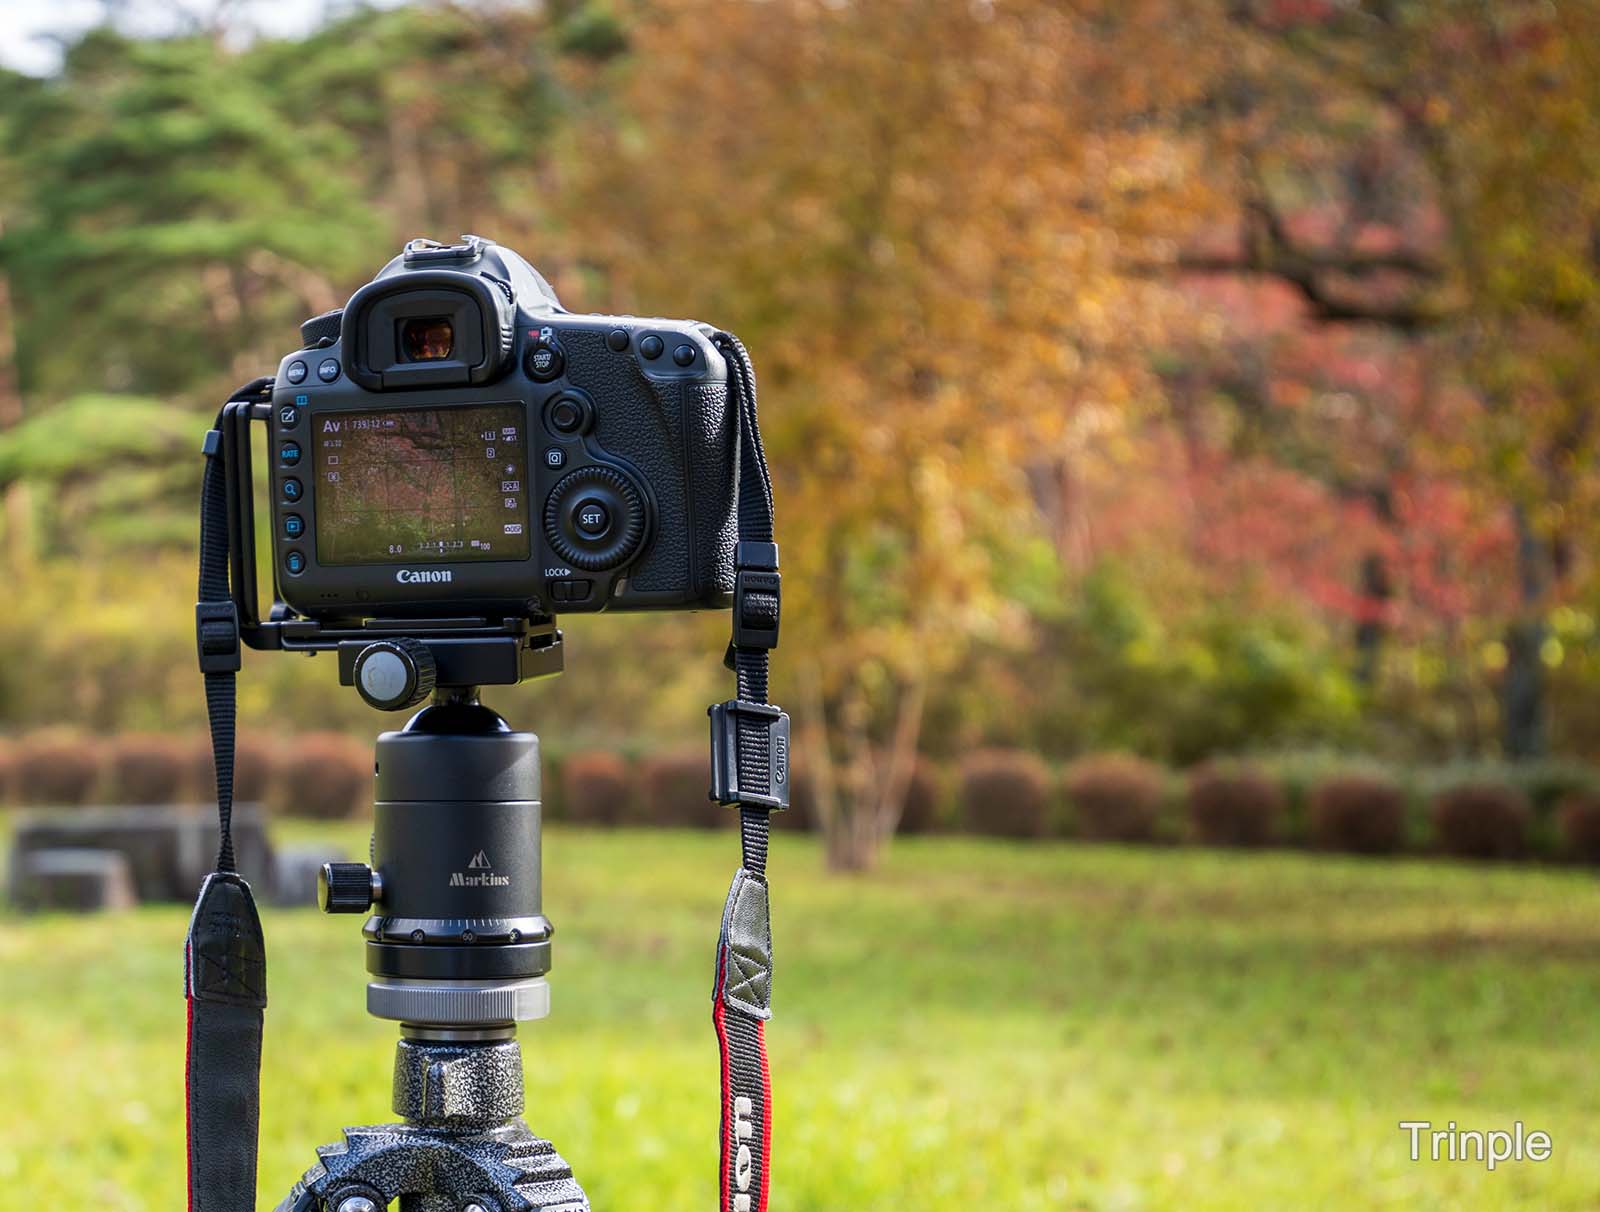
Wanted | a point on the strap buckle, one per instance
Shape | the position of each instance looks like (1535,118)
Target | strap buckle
(216,634)
(757,596)
(765,728)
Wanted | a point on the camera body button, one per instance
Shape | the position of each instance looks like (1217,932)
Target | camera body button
(651,347)
(295,372)
(545,361)
(592,518)
(328,369)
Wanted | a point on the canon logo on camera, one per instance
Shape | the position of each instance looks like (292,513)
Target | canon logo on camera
(423,576)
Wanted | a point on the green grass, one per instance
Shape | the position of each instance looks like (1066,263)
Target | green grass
(978,1026)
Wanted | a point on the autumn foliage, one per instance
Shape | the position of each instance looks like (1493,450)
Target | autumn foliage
(1182,379)
(1362,813)
(1115,797)
(1006,793)
(1234,805)
(1481,820)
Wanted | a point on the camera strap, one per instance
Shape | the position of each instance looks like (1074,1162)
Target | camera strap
(225,953)
(750,768)
(224,970)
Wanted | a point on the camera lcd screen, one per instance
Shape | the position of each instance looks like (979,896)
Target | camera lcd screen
(421,484)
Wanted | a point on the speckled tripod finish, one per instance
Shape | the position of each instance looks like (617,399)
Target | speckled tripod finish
(461,1144)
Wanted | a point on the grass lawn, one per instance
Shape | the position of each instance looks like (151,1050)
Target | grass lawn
(980,1025)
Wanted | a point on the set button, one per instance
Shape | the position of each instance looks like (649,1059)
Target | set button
(295,372)
(293,526)
(592,518)
(295,562)
(289,453)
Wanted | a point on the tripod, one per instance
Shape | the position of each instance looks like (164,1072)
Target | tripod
(457,949)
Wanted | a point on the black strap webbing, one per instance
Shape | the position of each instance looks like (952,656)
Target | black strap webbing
(749,767)
(225,969)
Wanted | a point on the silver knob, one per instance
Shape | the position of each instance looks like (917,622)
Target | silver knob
(394,674)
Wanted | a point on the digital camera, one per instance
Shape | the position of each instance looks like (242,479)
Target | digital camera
(453,436)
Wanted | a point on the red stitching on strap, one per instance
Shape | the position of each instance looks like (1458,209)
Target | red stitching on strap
(719,1020)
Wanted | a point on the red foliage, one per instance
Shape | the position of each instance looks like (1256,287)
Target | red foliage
(1115,797)
(324,775)
(1482,820)
(677,792)
(57,767)
(921,811)
(1578,818)
(1362,813)
(1005,792)
(1234,806)
(595,788)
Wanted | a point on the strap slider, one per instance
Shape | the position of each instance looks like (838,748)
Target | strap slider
(756,771)
(749,553)
(757,604)
(216,631)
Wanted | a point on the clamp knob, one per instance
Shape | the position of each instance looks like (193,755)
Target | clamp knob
(347,887)
(394,674)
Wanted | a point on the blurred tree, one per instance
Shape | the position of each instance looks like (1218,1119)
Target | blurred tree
(168,226)
(1425,168)
(913,212)
(1134,372)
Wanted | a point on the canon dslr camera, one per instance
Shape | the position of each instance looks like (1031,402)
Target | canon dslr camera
(453,435)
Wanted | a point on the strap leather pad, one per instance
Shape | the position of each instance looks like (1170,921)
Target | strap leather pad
(225,981)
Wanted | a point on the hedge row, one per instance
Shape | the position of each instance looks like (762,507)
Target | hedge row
(324,775)
(1549,809)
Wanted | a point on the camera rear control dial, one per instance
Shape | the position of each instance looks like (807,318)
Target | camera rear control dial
(594,518)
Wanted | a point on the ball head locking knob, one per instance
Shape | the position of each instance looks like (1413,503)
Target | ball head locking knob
(347,887)
(392,675)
